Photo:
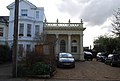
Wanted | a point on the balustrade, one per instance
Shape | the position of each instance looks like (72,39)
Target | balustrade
(63,24)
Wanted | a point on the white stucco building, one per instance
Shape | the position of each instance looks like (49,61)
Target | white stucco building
(68,36)
(29,26)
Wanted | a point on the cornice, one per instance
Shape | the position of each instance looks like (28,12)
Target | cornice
(63,32)
(64,28)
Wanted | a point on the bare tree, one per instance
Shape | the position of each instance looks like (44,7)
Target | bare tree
(116,22)
(40,38)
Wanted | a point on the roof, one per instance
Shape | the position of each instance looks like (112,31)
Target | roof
(29,3)
(4,19)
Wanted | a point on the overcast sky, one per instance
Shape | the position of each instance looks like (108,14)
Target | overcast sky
(95,14)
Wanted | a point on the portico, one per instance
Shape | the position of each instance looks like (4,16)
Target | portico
(69,37)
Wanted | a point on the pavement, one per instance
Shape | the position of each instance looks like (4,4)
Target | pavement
(28,79)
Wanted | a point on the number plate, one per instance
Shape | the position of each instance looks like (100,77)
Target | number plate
(66,63)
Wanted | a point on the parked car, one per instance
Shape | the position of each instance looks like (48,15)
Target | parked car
(101,56)
(88,55)
(65,60)
(113,59)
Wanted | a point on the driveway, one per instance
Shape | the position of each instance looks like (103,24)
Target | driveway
(84,71)
(89,70)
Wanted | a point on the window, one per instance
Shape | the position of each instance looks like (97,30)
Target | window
(1,32)
(74,49)
(74,46)
(74,41)
(20,50)
(29,30)
(24,12)
(37,30)
(37,14)
(21,29)
(62,46)
(28,46)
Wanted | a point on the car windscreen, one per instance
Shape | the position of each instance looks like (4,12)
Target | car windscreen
(65,55)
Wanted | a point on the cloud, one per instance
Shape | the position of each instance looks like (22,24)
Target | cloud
(94,12)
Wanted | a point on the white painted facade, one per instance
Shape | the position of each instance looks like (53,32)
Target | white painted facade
(69,35)
(4,34)
(30,21)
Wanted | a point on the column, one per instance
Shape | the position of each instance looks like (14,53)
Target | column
(69,43)
(81,48)
(57,44)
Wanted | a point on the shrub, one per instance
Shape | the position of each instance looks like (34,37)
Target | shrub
(5,54)
(22,70)
(37,64)
(38,68)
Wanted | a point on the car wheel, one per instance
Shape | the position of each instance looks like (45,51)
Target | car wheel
(58,66)
(112,64)
(73,66)
(96,59)
(105,62)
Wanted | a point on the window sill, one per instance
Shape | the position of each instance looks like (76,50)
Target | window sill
(20,35)
(28,35)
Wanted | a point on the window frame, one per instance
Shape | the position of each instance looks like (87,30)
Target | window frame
(1,31)
(74,47)
(37,14)
(29,26)
(28,50)
(24,12)
(21,29)
(20,50)
(62,46)
(37,30)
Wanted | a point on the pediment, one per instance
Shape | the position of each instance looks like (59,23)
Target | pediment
(12,5)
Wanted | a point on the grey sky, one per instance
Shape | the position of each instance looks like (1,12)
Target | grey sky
(94,12)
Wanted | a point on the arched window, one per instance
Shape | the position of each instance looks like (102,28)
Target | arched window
(62,46)
(74,46)
(74,41)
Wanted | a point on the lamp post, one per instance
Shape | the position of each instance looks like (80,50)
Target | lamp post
(15,39)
